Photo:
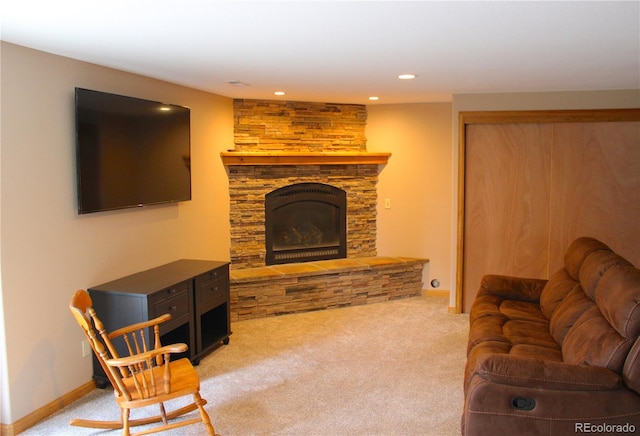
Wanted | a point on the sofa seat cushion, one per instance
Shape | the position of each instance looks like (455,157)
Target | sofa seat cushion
(486,348)
(500,335)
(545,374)
(518,350)
(493,305)
(512,332)
(519,332)
(485,305)
(522,310)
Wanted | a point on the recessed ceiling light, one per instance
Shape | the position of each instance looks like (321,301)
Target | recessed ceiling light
(374,98)
(279,93)
(406,76)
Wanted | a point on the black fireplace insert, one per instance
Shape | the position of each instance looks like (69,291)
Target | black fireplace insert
(305,222)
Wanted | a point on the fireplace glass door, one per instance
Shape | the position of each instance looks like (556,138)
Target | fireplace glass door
(304,222)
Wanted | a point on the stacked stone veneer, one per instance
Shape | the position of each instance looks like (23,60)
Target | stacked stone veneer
(266,125)
(328,284)
(258,290)
(248,186)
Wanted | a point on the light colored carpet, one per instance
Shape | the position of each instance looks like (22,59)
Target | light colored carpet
(392,368)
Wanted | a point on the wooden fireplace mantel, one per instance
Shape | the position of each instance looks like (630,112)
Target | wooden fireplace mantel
(231,158)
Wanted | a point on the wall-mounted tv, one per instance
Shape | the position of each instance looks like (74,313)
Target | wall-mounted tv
(130,152)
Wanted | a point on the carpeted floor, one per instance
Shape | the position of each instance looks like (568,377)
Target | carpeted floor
(392,368)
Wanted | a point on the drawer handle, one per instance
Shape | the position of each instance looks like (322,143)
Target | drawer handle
(214,289)
(172,308)
(172,291)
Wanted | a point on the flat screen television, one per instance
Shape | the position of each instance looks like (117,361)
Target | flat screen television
(130,152)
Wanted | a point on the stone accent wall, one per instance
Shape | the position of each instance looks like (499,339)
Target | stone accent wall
(327,284)
(268,125)
(248,186)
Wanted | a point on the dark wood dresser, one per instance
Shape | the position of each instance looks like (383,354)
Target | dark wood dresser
(194,292)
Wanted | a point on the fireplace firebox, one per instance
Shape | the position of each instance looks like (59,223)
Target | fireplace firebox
(305,222)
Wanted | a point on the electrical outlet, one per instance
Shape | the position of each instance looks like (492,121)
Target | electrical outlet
(387,203)
(86,348)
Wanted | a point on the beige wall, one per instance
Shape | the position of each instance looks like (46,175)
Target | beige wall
(418,182)
(49,251)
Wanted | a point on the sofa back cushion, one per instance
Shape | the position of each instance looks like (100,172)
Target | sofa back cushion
(604,334)
(570,309)
(554,292)
(618,297)
(594,267)
(578,251)
(567,278)
(569,292)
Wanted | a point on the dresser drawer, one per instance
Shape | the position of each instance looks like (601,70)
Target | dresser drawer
(219,273)
(176,305)
(168,293)
(212,293)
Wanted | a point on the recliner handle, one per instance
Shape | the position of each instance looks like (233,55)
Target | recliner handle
(522,403)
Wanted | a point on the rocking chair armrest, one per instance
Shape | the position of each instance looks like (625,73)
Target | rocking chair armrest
(139,325)
(147,355)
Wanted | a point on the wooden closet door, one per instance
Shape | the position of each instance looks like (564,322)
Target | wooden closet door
(533,188)
(507,185)
(595,189)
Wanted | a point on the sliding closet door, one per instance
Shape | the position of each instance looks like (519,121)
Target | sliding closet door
(507,185)
(595,187)
(531,188)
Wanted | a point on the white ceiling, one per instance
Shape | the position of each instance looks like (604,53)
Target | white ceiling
(343,51)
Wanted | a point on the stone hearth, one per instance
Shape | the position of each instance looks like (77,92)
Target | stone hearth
(325,284)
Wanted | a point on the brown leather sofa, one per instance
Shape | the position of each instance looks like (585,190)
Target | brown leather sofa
(556,357)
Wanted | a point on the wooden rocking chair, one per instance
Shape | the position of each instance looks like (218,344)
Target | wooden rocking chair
(145,377)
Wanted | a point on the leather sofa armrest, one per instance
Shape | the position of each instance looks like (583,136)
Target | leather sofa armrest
(512,288)
(545,374)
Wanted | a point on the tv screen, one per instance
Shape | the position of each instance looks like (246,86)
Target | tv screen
(130,152)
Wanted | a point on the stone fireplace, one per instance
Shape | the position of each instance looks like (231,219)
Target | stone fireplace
(249,186)
(305,222)
(303,204)
(283,144)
